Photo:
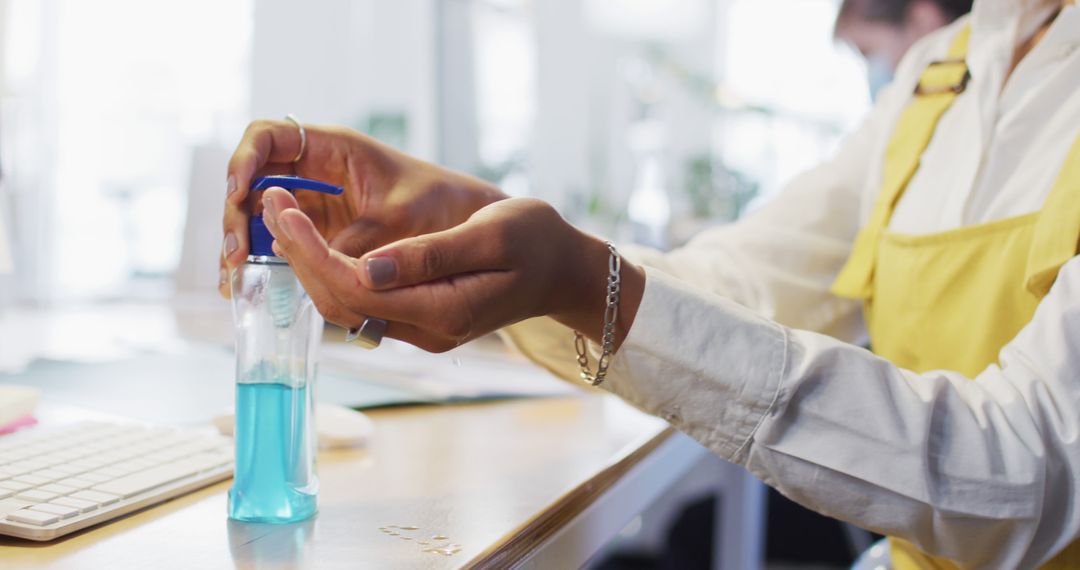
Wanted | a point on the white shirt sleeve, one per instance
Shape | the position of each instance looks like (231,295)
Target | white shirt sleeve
(934,458)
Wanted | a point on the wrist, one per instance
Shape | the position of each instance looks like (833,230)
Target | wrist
(585,299)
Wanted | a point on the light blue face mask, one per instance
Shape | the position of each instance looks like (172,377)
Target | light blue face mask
(879,73)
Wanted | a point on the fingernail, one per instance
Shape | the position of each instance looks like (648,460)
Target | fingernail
(230,185)
(223,276)
(230,245)
(381,270)
(268,207)
(284,226)
(269,215)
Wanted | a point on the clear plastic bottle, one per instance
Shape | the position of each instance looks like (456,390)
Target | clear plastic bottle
(278,332)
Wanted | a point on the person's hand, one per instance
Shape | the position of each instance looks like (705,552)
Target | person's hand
(388,194)
(511,260)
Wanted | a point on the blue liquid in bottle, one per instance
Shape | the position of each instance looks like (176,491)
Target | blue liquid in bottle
(275,480)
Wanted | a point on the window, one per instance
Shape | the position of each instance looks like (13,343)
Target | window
(104,103)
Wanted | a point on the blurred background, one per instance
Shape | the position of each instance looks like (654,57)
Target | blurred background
(641,120)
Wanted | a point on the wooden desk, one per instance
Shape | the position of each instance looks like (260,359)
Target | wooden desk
(544,483)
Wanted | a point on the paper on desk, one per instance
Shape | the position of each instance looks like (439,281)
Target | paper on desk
(467,372)
(195,381)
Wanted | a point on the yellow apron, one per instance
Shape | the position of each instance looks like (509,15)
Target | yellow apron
(951,300)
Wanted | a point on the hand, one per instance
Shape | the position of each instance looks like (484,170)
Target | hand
(388,194)
(509,261)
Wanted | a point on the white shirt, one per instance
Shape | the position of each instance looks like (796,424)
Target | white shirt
(739,343)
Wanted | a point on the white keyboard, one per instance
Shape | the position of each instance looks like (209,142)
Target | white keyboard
(56,481)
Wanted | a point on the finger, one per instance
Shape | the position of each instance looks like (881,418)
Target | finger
(264,143)
(264,147)
(234,245)
(326,302)
(224,286)
(274,201)
(324,269)
(332,272)
(467,248)
(300,241)
(337,310)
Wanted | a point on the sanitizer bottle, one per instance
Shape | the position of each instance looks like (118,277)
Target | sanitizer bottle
(278,332)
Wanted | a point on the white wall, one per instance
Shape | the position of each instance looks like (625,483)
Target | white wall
(336,61)
(585,105)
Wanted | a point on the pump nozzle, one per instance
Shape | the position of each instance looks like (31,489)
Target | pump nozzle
(260,236)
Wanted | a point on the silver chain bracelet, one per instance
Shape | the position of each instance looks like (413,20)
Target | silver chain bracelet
(611,314)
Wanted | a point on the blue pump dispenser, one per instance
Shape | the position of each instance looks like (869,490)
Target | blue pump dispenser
(260,237)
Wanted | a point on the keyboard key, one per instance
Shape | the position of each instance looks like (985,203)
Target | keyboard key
(69,469)
(17,454)
(36,496)
(113,471)
(70,454)
(52,474)
(58,489)
(35,449)
(136,483)
(81,504)
(60,510)
(15,486)
(9,505)
(131,466)
(204,461)
(84,464)
(166,455)
(33,517)
(96,496)
(93,476)
(33,479)
(141,463)
(112,456)
(78,483)
(22,467)
(51,459)
(195,447)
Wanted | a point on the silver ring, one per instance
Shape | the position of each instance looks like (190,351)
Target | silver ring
(369,334)
(303,136)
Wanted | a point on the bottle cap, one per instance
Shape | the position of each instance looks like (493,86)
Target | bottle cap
(260,237)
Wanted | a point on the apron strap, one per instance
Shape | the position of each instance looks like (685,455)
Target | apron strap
(1057,230)
(938,87)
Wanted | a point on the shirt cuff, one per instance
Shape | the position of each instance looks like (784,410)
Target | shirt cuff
(710,367)
(551,344)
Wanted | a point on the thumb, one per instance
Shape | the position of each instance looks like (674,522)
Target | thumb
(467,248)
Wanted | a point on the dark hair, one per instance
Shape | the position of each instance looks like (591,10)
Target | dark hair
(895,11)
